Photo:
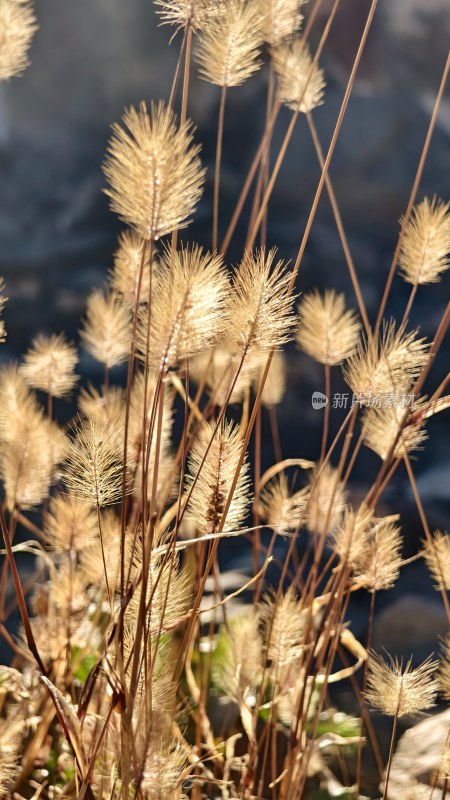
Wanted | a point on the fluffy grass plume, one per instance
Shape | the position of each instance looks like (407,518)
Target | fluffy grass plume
(213,482)
(50,365)
(260,307)
(154,171)
(437,557)
(106,333)
(327,331)
(281,18)
(17,28)
(229,43)
(188,310)
(397,690)
(301,81)
(131,266)
(425,249)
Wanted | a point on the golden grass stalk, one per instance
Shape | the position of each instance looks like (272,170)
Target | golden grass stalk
(425,246)
(154,171)
(50,365)
(17,28)
(327,331)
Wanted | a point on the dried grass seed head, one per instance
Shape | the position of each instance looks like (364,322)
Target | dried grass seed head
(17,28)
(223,373)
(239,672)
(131,265)
(281,19)
(425,248)
(229,43)
(187,13)
(50,365)
(283,510)
(386,365)
(283,628)
(105,406)
(12,733)
(275,385)
(381,426)
(349,539)
(437,557)
(377,565)
(398,690)
(214,469)
(154,171)
(260,307)
(70,525)
(327,500)
(106,332)
(327,331)
(301,81)
(93,464)
(188,311)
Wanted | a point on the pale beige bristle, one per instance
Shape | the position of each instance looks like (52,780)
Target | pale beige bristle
(283,510)
(106,332)
(327,500)
(377,565)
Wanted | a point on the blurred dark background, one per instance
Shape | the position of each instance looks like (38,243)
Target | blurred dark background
(91,58)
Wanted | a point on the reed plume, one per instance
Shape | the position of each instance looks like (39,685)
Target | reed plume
(327,332)
(50,365)
(106,333)
(154,171)
(260,309)
(301,81)
(213,471)
(17,28)
(281,19)
(425,248)
(229,43)
(188,311)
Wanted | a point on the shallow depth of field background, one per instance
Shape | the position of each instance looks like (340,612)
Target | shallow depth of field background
(93,57)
